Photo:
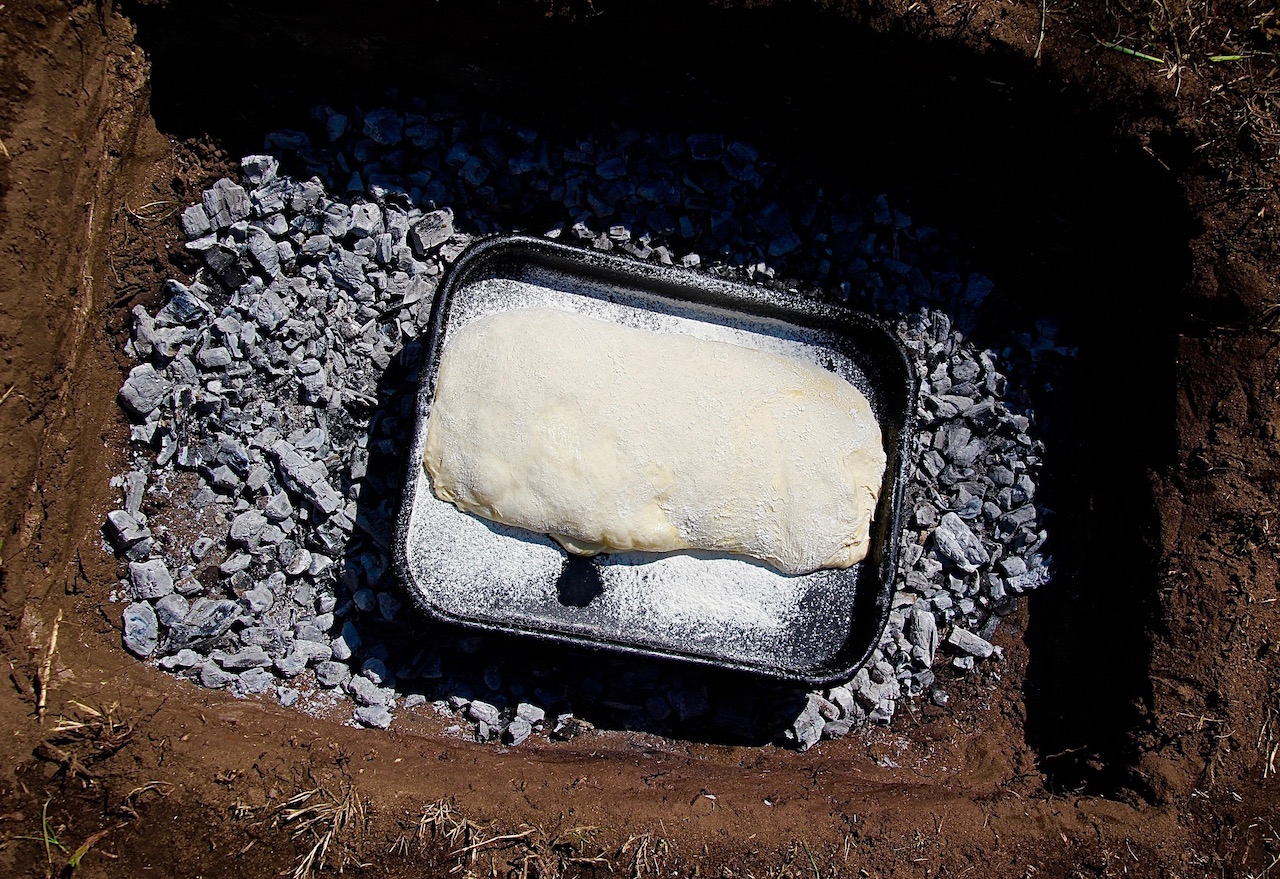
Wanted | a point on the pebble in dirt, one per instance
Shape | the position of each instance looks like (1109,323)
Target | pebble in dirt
(271,401)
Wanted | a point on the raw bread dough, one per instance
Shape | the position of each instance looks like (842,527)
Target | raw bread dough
(613,438)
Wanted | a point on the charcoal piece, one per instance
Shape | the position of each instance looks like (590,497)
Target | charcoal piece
(376,716)
(483,712)
(141,629)
(366,692)
(247,657)
(125,531)
(428,234)
(150,579)
(347,642)
(172,609)
(316,246)
(306,477)
(278,508)
(366,220)
(259,169)
(246,527)
(836,729)
(1012,566)
(530,713)
(958,544)
(922,632)
(195,222)
(207,620)
(332,674)
(143,390)
(336,221)
(256,680)
(517,732)
(263,251)
(225,203)
(969,643)
(388,605)
(806,729)
(383,126)
(213,677)
(258,600)
(376,670)
(184,658)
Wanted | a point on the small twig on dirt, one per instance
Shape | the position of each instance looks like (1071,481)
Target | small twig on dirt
(508,837)
(5,150)
(1044,15)
(8,392)
(46,669)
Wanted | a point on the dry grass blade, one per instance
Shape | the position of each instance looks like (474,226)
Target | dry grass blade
(647,854)
(46,668)
(90,735)
(440,820)
(319,816)
(153,211)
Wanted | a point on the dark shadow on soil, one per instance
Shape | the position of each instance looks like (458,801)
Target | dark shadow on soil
(1072,226)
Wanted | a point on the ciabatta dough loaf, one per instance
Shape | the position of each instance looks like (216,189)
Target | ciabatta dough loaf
(613,438)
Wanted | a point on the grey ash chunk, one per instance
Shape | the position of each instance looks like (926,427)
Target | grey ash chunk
(125,531)
(428,234)
(247,527)
(806,731)
(151,579)
(366,692)
(483,712)
(969,643)
(141,629)
(143,390)
(376,716)
(922,631)
(195,222)
(332,674)
(248,657)
(225,203)
(172,609)
(517,732)
(959,544)
(308,478)
(207,620)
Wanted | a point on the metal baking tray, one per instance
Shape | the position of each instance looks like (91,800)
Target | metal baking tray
(714,609)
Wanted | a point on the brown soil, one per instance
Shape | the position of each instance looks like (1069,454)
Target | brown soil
(1133,727)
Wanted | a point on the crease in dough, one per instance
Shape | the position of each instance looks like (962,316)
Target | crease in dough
(610,438)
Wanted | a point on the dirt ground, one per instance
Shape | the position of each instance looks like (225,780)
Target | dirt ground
(1114,165)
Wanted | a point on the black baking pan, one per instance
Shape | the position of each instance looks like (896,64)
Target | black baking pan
(712,609)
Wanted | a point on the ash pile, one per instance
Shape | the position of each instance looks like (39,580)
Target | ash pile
(273,402)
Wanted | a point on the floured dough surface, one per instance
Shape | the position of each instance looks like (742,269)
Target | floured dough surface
(613,438)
